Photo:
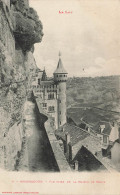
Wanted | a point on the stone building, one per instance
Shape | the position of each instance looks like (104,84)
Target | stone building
(52,93)
(107,132)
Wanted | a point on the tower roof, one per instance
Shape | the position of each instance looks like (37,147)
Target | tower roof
(60,69)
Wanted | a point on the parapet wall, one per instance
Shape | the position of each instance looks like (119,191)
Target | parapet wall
(58,153)
(56,149)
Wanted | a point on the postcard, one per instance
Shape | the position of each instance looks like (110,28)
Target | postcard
(60,97)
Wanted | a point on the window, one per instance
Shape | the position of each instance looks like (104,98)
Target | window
(44,105)
(51,96)
(60,122)
(105,138)
(7,8)
(38,81)
(51,109)
(60,112)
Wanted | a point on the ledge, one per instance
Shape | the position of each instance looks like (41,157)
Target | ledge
(58,153)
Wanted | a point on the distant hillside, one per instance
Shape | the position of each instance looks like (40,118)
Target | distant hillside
(89,93)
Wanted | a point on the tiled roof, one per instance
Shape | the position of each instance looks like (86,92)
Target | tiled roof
(76,133)
(89,156)
(106,130)
(79,138)
(60,68)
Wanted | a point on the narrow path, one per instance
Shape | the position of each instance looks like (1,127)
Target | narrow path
(38,159)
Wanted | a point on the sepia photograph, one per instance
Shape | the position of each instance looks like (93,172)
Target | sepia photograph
(60,97)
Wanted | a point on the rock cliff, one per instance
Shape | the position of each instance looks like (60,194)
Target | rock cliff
(20,29)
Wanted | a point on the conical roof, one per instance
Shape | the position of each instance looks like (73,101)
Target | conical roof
(60,69)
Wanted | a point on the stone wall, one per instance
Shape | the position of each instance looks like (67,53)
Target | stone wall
(58,159)
(20,28)
(13,144)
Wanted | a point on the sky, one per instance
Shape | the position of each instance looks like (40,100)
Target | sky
(88,37)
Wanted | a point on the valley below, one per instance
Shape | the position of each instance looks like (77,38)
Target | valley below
(93,99)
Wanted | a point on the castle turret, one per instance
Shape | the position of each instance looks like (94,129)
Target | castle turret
(60,78)
(44,76)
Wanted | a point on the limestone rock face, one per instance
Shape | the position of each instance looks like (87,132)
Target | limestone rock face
(28,27)
(20,29)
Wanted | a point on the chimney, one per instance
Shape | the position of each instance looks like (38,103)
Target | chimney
(76,165)
(67,138)
(68,147)
(102,127)
(88,129)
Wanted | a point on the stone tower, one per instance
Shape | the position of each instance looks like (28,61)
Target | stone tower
(60,78)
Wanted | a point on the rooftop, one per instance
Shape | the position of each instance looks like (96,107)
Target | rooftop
(60,69)
(106,130)
(79,138)
(76,133)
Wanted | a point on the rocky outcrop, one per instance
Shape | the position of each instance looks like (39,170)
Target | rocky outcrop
(27,26)
(20,29)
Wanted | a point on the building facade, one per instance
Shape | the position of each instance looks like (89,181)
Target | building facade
(52,93)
